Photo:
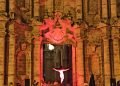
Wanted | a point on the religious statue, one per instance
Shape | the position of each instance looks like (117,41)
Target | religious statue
(61,70)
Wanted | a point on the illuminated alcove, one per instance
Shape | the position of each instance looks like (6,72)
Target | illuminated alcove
(59,56)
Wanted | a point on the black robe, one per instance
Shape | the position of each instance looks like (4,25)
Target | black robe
(92,81)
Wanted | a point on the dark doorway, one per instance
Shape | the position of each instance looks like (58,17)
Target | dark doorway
(60,56)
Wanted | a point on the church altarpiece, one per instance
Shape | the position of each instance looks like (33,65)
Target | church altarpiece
(81,71)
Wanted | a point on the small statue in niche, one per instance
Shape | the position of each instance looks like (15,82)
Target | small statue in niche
(21,55)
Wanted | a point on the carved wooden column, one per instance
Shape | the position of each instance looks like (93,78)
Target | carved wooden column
(36,7)
(106,62)
(11,8)
(41,9)
(116,48)
(104,9)
(28,55)
(79,9)
(79,60)
(116,59)
(79,63)
(74,66)
(12,5)
(37,59)
(113,8)
(49,6)
(2,5)
(2,36)
(2,47)
(11,65)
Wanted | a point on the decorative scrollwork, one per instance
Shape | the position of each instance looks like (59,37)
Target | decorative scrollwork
(58,30)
